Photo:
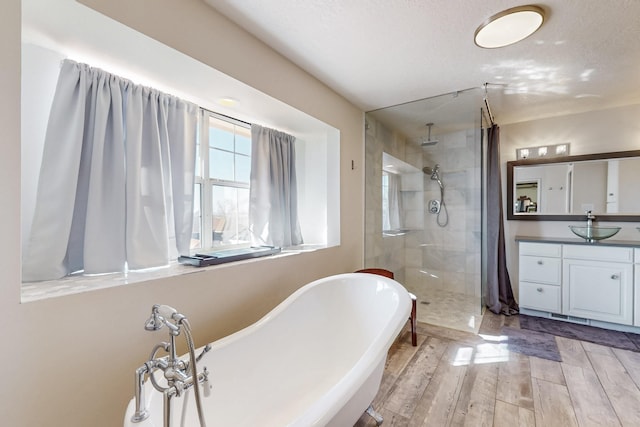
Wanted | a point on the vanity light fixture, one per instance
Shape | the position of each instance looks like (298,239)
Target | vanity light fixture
(509,26)
(557,150)
(562,149)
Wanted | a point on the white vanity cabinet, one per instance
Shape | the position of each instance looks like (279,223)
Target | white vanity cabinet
(540,276)
(586,283)
(597,283)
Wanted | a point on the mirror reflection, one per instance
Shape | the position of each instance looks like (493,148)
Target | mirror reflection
(574,187)
(527,196)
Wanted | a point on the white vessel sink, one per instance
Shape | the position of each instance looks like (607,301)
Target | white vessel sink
(594,233)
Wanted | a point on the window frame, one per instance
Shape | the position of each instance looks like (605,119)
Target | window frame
(206,183)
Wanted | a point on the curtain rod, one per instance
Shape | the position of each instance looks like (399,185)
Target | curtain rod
(486,103)
(227,117)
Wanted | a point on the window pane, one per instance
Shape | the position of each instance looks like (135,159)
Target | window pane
(243,168)
(243,141)
(220,134)
(228,159)
(230,215)
(223,206)
(243,234)
(220,164)
(196,234)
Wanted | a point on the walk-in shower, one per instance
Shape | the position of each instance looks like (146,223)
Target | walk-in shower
(440,185)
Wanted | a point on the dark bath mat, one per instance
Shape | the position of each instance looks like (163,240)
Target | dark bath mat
(532,343)
(616,339)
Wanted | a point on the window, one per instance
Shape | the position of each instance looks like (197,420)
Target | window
(223,166)
(318,163)
(386,224)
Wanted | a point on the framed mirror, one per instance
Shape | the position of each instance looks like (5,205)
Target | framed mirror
(564,188)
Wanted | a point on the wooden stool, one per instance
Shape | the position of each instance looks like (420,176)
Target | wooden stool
(412,317)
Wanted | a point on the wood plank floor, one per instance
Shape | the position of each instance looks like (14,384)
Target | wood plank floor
(455,378)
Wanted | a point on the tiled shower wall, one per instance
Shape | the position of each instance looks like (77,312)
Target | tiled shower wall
(449,258)
(384,251)
(428,257)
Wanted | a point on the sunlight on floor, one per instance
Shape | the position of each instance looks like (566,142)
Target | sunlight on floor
(494,351)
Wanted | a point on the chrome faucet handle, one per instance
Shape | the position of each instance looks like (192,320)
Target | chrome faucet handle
(164,315)
(204,350)
(154,322)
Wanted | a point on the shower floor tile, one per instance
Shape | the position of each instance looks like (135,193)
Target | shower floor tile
(449,309)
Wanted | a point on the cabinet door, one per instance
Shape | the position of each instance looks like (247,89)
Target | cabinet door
(598,290)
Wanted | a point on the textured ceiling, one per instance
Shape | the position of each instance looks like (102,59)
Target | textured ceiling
(380,53)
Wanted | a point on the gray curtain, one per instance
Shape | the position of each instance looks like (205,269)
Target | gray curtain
(273,194)
(115,190)
(499,294)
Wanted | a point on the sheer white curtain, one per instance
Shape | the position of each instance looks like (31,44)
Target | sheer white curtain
(273,199)
(116,182)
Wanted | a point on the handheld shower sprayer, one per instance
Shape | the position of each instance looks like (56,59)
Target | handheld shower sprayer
(437,206)
(435,173)
(164,315)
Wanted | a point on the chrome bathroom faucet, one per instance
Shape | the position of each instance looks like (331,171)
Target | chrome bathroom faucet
(180,374)
(590,218)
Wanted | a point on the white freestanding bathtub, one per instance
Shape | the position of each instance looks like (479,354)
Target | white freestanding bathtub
(315,360)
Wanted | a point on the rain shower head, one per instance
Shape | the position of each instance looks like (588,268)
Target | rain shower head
(429,141)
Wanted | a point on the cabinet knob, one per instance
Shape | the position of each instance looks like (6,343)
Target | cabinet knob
(615,276)
(540,262)
(539,289)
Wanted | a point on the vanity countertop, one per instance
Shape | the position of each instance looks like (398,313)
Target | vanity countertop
(578,241)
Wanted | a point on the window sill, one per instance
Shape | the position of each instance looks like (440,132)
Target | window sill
(70,285)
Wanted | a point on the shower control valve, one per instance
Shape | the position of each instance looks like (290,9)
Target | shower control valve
(434,206)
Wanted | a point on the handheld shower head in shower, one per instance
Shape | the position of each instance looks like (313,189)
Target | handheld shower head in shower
(437,206)
(434,172)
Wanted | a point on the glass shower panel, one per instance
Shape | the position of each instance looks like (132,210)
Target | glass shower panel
(438,255)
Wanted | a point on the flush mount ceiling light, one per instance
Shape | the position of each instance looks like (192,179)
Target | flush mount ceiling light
(509,26)
(227,101)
